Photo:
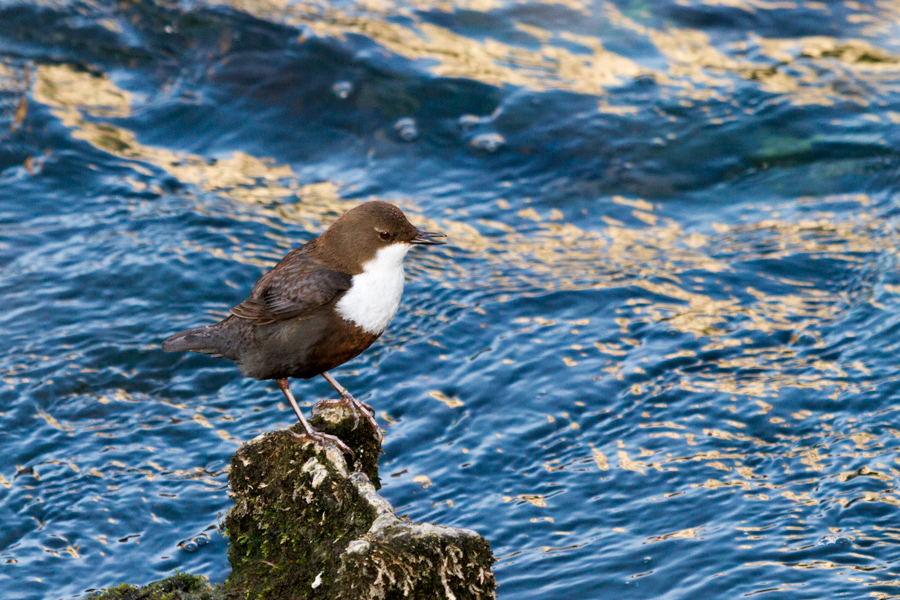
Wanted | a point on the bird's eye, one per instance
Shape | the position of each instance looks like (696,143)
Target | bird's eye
(384,235)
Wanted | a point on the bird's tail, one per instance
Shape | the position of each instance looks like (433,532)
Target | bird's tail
(201,340)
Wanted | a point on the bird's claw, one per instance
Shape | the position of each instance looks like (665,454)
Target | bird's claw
(356,408)
(323,438)
(367,411)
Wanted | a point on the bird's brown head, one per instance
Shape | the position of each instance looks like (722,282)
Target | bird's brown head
(357,236)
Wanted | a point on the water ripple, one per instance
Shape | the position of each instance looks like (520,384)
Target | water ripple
(656,359)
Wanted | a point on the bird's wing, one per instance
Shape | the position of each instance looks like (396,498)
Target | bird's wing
(296,286)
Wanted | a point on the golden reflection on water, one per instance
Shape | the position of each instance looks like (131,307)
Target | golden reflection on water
(489,61)
(79,100)
(752,6)
(812,70)
(546,253)
(652,254)
(64,87)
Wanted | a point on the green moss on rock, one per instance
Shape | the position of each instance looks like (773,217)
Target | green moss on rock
(180,586)
(294,507)
(359,436)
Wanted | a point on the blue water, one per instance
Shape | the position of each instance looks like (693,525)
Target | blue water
(657,360)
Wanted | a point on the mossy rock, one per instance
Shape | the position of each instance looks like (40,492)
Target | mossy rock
(306,526)
(293,505)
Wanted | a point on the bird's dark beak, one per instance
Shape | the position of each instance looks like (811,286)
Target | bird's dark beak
(426,238)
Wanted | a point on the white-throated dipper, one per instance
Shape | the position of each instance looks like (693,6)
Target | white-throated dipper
(322,305)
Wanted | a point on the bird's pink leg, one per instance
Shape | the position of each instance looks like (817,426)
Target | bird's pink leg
(356,407)
(309,432)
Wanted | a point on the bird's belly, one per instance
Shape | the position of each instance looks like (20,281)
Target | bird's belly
(341,343)
(302,348)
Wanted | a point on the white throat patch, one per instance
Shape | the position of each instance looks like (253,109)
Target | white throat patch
(374,295)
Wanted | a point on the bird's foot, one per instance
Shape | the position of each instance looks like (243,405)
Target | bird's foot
(356,407)
(323,438)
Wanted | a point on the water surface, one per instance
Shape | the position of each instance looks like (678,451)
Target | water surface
(658,359)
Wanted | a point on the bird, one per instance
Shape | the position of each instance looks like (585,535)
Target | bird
(322,305)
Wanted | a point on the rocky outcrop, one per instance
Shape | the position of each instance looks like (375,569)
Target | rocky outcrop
(305,524)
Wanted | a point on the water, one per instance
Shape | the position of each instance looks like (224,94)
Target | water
(658,359)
